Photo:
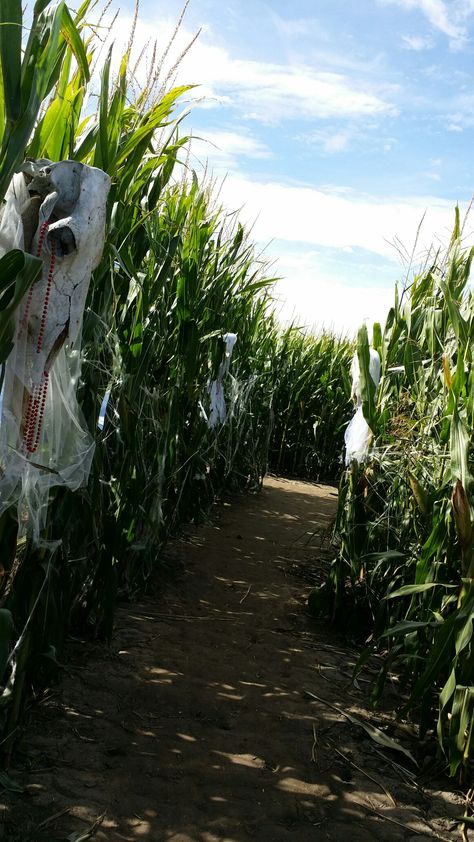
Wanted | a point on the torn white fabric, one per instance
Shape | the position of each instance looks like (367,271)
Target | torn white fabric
(358,432)
(230,339)
(218,411)
(44,441)
(103,410)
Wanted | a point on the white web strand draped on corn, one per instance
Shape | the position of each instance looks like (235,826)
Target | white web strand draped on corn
(357,435)
(218,411)
(44,441)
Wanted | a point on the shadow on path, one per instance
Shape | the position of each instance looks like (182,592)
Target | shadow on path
(192,727)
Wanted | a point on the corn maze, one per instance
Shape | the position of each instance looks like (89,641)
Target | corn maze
(178,274)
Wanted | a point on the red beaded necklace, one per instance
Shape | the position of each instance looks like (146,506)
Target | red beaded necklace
(37,399)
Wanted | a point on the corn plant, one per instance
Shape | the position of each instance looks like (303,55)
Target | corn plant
(311,404)
(29,75)
(126,139)
(178,272)
(405,566)
(156,356)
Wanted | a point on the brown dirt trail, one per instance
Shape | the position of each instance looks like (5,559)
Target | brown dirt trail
(192,726)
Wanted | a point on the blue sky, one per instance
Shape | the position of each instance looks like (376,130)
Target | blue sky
(338,125)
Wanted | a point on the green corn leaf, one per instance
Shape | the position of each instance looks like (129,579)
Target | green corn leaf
(368,388)
(461,724)
(18,271)
(40,6)
(10,57)
(101,158)
(375,733)
(9,783)
(459,449)
(406,590)
(407,627)
(40,70)
(447,635)
(6,632)
(457,320)
(144,133)
(71,35)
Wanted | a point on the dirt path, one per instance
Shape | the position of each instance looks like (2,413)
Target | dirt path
(193,726)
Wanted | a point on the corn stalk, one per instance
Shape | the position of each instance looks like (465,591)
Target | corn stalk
(405,568)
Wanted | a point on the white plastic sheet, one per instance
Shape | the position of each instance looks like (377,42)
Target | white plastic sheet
(357,435)
(44,441)
(218,410)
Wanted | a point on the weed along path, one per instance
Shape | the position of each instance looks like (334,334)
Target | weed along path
(194,726)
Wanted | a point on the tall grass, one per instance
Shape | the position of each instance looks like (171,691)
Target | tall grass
(405,570)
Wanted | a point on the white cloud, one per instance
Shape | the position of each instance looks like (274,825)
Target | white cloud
(417,42)
(454,127)
(316,238)
(336,219)
(329,140)
(332,139)
(337,142)
(310,297)
(269,92)
(462,110)
(237,143)
(448,19)
(275,92)
(222,149)
(297,27)
(328,217)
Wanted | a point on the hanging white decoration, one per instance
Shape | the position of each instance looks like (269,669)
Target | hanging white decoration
(57,211)
(357,435)
(218,411)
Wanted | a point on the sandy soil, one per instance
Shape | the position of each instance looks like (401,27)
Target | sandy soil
(193,726)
